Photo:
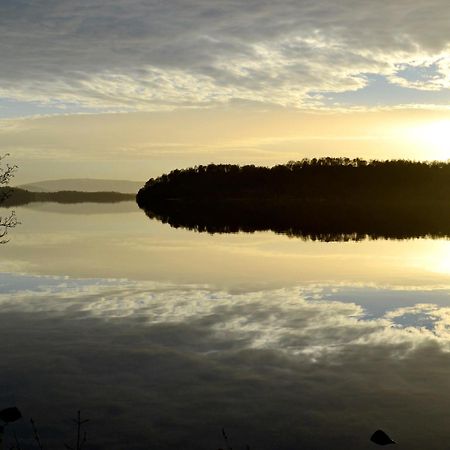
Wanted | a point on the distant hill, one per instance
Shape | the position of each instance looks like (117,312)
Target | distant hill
(84,185)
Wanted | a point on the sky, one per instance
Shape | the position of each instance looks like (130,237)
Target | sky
(114,89)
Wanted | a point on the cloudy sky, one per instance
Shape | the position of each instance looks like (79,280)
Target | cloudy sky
(108,88)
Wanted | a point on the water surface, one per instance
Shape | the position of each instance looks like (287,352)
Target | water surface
(163,336)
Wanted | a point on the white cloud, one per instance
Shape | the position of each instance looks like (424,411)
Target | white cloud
(156,55)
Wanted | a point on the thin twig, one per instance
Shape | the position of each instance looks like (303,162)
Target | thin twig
(36,435)
(225,437)
(16,441)
(80,442)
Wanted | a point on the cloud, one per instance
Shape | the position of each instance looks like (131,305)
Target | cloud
(158,55)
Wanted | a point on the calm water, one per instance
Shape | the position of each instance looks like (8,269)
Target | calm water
(162,336)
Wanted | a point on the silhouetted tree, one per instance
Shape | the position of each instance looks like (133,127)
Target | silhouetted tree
(6,221)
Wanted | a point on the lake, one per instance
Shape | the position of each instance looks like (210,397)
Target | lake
(163,337)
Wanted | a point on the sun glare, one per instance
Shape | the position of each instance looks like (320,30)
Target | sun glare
(435,137)
(442,263)
(436,257)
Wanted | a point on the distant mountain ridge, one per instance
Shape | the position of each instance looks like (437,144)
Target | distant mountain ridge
(84,185)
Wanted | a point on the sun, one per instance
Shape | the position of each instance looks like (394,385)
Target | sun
(435,137)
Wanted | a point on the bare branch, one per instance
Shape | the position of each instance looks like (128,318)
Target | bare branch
(7,172)
(80,439)
(6,222)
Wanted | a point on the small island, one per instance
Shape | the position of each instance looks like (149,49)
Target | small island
(325,198)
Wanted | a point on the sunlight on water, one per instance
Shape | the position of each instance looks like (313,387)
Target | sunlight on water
(436,258)
(443,263)
(64,242)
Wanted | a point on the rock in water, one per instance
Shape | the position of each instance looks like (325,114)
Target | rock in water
(381,438)
(10,414)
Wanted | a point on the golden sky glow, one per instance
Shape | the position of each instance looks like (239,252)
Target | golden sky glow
(140,145)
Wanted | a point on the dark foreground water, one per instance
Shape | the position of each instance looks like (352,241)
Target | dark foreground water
(163,337)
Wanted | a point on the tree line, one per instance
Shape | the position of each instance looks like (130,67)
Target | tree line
(334,179)
(17,197)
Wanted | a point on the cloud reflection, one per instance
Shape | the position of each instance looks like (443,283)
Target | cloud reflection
(166,366)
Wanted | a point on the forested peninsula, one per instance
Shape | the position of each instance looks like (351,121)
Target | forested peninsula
(308,179)
(326,198)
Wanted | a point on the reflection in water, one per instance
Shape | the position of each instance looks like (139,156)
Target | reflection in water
(285,343)
(167,367)
(107,244)
(323,221)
